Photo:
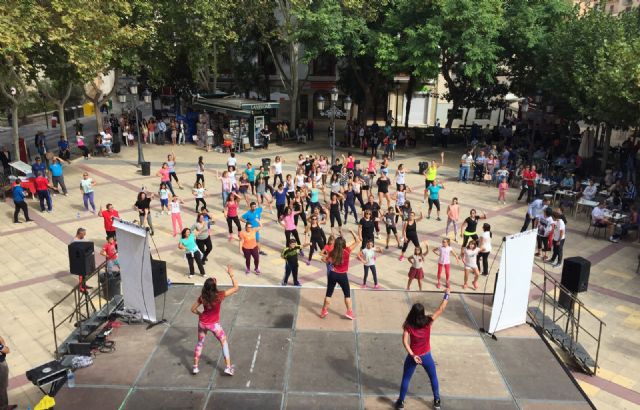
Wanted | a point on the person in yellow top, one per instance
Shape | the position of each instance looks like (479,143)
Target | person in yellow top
(430,175)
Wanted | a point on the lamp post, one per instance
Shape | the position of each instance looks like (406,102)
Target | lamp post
(146,99)
(332,112)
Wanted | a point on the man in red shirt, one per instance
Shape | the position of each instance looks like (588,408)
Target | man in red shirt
(110,251)
(42,189)
(108,216)
(529,176)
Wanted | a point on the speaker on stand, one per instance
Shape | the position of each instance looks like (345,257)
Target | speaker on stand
(575,277)
(160,285)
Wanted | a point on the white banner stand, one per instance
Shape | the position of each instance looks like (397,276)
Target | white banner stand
(135,268)
(511,295)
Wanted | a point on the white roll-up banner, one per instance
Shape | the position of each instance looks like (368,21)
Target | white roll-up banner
(511,297)
(135,268)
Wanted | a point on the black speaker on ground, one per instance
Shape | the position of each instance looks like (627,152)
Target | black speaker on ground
(159,277)
(82,259)
(422,167)
(575,277)
(266,163)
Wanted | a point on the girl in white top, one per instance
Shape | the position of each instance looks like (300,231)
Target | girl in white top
(367,256)
(444,260)
(400,174)
(198,192)
(485,248)
(277,171)
(231,161)
(300,179)
(200,171)
(176,217)
(163,193)
(469,255)
(416,272)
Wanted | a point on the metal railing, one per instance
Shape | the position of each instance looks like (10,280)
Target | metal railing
(565,308)
(83,304)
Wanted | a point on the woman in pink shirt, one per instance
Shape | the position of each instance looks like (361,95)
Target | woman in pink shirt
(289,224)
(372,166)
(231,213)
(209,319)
(453,215)
(165,177)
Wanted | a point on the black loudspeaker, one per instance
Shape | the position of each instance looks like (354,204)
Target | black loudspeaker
(575,277)
(266,163)
(82,259)
(575,274)
(145,168)
(159,277)
(422,167)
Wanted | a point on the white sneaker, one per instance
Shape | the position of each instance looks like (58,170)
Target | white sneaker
(195,370)
(230,370)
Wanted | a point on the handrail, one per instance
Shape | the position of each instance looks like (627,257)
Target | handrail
(572,318)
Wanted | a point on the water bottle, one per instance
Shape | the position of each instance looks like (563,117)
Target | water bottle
(71,379)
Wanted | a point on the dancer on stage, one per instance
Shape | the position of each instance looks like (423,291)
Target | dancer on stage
(416,339)
(338,260)
(209,319)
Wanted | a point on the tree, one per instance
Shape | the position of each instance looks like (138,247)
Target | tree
(20,22)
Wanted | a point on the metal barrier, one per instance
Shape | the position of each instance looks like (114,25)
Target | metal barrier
(566,337)
(83,305)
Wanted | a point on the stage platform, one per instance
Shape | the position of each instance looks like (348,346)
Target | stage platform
(286,357)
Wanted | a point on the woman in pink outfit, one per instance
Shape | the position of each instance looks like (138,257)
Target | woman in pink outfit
(176,217)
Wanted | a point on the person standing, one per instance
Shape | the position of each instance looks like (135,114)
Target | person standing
(4,377)
(188,244)
(469,226)
(86,187)
(338,260)
(57,177)
(198,192)
(545,226)
(209,319)
(253,217)
(465,165)
(434,198)
(444,253)
(485,248)
(200,171)
(528,183)
(290,255)
(231,213)
(367,256)
(469,257)
(416,339)
(317,236)
(165,177)
(108,215)
(42,189)
(203,238)
(535,210)
(110,252)
(143,206)
(176,216)
(453,216)
(249,248)
(559,232)
(171,163)
(410,233)
(366,227)
(431,173)
(416,272)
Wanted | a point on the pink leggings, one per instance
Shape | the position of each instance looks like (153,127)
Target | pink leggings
(203,328)
(176,219)
(502,195)
(447,268)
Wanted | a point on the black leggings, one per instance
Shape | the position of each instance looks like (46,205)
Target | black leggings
(318,241)
(412,236)
(366,238)
(350,206)
(433,202)
(485,262)
(200,201)
(291,269)
(200,178)
(288,234)
(205,247)
(373,272)
(174,176)
(277,177)
(302,216)
(359,198)
(195,256)
(230,222)
(280,208)
(340,279)
(333,217)
(465,239)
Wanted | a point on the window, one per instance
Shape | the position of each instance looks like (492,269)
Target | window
(483,114)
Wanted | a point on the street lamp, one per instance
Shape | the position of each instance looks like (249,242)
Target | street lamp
(146,99)
(332,112)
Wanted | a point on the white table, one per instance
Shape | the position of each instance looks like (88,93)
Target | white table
(584,203)
(22,167)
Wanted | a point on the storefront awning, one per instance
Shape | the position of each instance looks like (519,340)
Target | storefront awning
(240,107)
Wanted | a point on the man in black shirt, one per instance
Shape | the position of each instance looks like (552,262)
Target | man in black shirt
(337,167)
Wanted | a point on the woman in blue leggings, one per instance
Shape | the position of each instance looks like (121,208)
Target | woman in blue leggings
(416,340)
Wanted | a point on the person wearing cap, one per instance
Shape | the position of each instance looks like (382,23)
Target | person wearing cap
(19,202)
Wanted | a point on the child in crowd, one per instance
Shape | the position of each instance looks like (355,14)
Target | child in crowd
(176,217)
(416,271)
(290,255)
(444,260)
(110,252)
(390,221)
(198,192)
(503,187)
(367,256)
(453,215)
(163,193)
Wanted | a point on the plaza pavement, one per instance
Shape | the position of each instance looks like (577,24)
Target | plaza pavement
(35,262)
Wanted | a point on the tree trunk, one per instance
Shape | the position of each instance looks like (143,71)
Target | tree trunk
(98,114)
(605,148)
(411,85)
(454,110)
(14,132)
(215,68)
(466,116)
(293,81)
(62,119)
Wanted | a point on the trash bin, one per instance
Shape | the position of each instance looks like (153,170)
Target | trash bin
(88,109)
(110,284)
(54,122)
(146,168)
(422,166)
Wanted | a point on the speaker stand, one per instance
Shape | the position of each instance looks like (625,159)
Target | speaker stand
(163,320)
(485,332)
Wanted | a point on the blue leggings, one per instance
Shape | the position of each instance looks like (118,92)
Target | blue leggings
(410,367)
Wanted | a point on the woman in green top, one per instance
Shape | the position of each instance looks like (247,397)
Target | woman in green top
(188,244)
(251,176)
(430,175)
